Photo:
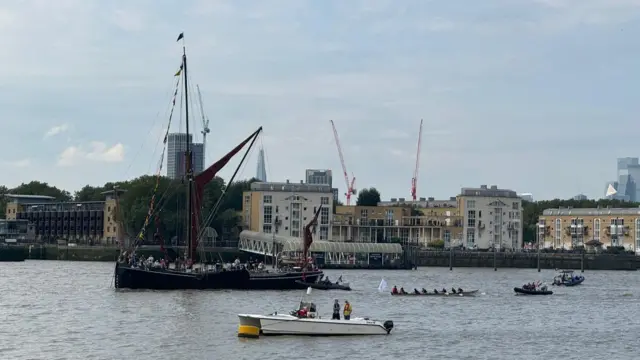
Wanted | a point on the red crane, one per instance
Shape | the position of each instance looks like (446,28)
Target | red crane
(350,185)
(414,180)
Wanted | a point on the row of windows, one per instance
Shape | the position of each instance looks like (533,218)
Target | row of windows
(471,204)
(268,199)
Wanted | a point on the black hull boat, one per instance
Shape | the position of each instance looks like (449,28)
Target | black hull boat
(127,277)
(325,286)
(282,281)
(532,292)
(461,294)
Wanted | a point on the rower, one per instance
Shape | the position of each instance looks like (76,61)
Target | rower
(453,290)
(415,291)
(444,291)
(435,291)
(395,290)
(460,290)
(402,291)
(424,291)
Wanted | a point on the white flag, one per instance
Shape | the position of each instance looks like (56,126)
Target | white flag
(383,286)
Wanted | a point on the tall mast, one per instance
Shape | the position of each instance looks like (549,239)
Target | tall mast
(188,166)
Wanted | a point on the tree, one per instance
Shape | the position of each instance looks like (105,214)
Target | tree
(368,197)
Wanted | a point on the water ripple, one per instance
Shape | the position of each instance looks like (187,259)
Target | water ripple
(67,310)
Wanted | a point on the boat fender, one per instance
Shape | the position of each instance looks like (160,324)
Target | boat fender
(388,325)
(248,331)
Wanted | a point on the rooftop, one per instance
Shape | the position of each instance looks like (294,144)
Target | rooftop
(290,187)
(591,211)
(295,244)
(31,197)
(421,203)
(485,191)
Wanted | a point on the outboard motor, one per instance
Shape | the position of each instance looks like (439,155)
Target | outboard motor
(388,325)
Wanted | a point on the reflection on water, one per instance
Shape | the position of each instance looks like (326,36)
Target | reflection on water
(67,310)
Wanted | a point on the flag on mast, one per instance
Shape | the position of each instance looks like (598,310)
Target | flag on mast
(180,37)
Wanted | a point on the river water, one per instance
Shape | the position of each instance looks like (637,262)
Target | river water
(70,310)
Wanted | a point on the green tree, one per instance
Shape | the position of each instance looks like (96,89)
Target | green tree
(368,197)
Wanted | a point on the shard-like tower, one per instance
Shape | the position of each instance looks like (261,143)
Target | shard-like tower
(261,172)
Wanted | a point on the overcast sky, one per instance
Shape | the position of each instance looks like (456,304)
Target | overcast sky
(535,96)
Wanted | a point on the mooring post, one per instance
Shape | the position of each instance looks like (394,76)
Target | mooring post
(450,256)
(495,258)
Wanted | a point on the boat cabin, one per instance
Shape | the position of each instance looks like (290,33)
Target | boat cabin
(312,310)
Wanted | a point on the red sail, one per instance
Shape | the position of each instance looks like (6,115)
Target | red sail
(308,238)
(202,179)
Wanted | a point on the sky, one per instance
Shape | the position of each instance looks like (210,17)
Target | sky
(536,96)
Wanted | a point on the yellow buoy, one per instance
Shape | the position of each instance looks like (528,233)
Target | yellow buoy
(248,331)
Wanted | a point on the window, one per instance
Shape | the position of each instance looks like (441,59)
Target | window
(471,237)
(324,232)
(471,204)
(515,205)
(267,215)
(447,237)
(324,216)
(267,199)
(471,218)
(558,229)
(324,200)
(637,234)
(266,228)
(388,217)
(364,215)
(596,229)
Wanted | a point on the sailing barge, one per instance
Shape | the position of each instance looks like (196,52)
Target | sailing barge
(130,275)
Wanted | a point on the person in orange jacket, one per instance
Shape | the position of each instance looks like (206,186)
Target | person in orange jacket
(347,310)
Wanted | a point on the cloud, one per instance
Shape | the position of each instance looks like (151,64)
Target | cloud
(97,152)
(23,163)
(58,129)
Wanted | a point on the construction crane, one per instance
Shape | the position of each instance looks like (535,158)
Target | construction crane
(205,127)
(350,185)
(414,180)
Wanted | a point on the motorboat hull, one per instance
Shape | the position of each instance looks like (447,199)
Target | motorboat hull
(324,286)
(532,292)
(462,294)
(281,324)
(573,282)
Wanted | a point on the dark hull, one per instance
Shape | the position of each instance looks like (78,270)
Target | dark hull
(464,293)
(532,292)
(282,281)
(569,282)
(322,286)
(133,278)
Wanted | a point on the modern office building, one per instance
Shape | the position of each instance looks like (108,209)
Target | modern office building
(626,183)
(176,147)
(285,208)
(568,228)
(492,217)
(380,224)
(321,177)
(261,171)
(78,222)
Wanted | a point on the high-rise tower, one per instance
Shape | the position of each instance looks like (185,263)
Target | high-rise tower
(261,172)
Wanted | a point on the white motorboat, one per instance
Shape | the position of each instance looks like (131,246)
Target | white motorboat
(311,325)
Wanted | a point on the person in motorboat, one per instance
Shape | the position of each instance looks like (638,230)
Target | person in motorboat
(302,313)
(336,310)
(453,290)
(424,291)
(402,291)
(460,290)
(347,310)
(394,290)
(415,291)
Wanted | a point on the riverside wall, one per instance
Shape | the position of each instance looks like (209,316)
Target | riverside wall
(530,260)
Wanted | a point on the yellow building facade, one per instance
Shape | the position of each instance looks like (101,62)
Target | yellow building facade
(383,223)
(568,228)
